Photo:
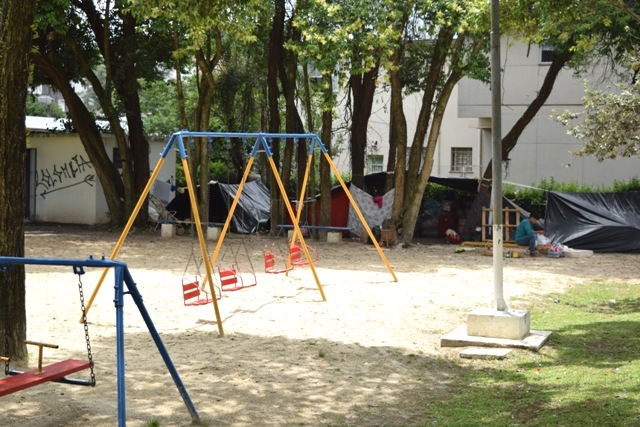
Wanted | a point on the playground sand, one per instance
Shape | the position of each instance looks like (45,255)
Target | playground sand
(368,355)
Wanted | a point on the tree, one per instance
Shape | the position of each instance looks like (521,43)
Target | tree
(16,19)
(610,121)
(35,108)
(609,124)
(581,34)
(202,31)
(443,42)
(73,38)
(345,42)
(367,28)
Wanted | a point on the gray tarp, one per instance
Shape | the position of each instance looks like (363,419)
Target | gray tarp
(252,212)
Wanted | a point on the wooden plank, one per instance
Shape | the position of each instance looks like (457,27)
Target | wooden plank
(49,373)
(489,244)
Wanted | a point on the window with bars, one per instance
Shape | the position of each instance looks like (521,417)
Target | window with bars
(546,54)
(461,157)
(376,163)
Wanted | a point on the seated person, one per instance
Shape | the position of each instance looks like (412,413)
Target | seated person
(526,235)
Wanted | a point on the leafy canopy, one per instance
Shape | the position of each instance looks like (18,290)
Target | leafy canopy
(609,124)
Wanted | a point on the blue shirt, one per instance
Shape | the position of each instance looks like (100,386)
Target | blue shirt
(525,228)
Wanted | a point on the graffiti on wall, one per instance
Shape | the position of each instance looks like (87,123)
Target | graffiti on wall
(76,171)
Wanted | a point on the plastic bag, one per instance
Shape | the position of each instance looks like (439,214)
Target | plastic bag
(542,240)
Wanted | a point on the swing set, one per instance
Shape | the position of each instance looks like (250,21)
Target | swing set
(193,290)
(261,145)
(295,257)
(57,372)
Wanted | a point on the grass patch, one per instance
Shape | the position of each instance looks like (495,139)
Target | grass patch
(588,374)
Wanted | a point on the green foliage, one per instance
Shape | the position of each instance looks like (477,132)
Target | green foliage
(454,32)
(159,101)
(346,177)
(535,198)
(442,192)
(609,125)
(632,185)
(35,108)
(218,171)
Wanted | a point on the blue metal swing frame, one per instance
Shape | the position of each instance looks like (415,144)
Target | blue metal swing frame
(123,279)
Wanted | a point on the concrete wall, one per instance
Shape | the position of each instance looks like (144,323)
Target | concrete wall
(544,150)
(64,185)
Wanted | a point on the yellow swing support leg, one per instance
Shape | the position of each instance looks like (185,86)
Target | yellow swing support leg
(134,214)
(125,232)
(362,219)
(291,213)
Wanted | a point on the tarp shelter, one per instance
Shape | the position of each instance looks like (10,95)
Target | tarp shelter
(375,209)
(474,215)
(339,209)
(601,222)
(252,212)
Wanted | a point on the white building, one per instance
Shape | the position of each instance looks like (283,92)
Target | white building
(62,185)
(464,148)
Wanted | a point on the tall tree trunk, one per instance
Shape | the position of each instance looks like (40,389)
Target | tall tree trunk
(325,167)
(182,110)
(276,54)
(288,72)
(15,41)
(206,63)
(116,56)
(397,137)
(308,112)
(363,87)
(511,138)
(416,190)
(128,89)
(90,136)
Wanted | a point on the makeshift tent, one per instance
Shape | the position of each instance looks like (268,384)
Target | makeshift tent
(252,212)
(474,215)
(339,209)
(375,209)
(601,222)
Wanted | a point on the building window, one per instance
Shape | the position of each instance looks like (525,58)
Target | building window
(423,152)
(546,54)
(461,159)
(376,163)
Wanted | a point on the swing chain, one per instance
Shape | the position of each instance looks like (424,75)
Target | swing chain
(79,271)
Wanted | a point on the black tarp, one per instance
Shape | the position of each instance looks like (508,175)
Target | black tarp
(375,183)
(252,212)
(601,222)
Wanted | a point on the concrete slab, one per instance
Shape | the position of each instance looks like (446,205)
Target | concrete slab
(334,237)
(167,230)
(484,353)
(489,322)
(213,233)
(578,253)
(459,338)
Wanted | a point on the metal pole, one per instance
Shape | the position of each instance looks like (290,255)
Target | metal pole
(496,130)
(119,304)
(137,298)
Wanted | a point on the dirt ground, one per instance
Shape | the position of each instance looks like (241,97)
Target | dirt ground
(368,355)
